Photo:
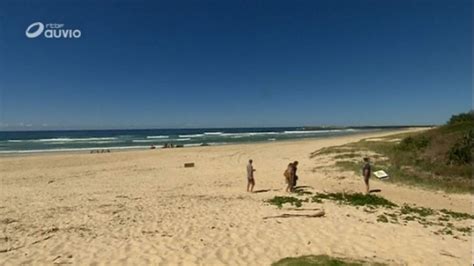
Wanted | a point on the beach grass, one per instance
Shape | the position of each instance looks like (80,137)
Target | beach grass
(382,218)
(439,158)
(445,222)
(457,215)
(421,211)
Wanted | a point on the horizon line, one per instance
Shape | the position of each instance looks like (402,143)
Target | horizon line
(250,127)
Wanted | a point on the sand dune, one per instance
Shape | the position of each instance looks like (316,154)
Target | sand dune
(144,207)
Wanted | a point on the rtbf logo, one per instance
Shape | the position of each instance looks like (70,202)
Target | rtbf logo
(51,31)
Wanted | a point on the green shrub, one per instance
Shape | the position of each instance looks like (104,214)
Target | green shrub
(414,143)
(461,152)
(461,118)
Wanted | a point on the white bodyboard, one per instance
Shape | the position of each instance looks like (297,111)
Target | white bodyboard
(381,174)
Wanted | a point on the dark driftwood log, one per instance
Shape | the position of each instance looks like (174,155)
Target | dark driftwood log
(188,165)
(291,215)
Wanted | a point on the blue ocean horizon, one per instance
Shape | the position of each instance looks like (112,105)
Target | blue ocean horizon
(119,139)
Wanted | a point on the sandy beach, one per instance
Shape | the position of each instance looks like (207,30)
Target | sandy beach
(144,207)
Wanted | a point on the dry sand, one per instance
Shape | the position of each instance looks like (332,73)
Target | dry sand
(144,207)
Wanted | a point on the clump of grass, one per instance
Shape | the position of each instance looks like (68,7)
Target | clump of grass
(349,165)
(331,150)
(347,156)
(369,209)
(382,218)
(444,231)
(444,218)
(422,211)
(466,229)
(355,199)
(301,192)
(368,200)
(409,218)
(320,260)
(393,217)
(457,215)
(419,214)
(316,200)
(279,201)
(413,143)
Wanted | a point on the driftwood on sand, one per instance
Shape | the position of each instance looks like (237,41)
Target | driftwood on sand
(291,215)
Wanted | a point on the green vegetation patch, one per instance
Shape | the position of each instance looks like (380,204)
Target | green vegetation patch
(457,215)
(461,152)
(461,118)
(349,165)
(355,199)
(438,158)
(421,211)
(429,217)
(279,201)
(444,231)
(302,191)
(332,150)
(466,229)
(311,260)
(413,143)
(382,218)
(351,155)
(393,217)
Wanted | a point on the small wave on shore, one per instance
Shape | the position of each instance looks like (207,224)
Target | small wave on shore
(40,141)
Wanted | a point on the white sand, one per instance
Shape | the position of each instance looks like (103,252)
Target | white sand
(144,207)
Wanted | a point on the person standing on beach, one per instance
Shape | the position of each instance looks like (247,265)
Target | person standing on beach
(295,176)
(250,177)
(366,172)
(288,177)
(291,177)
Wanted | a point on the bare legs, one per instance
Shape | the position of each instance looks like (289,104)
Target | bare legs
(250,185)
(367,187)
(290,185)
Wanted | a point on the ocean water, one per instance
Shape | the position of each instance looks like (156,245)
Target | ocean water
(77,140)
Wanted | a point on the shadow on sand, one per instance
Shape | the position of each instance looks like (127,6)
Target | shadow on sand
(265,190)
(262,190)
(303,187)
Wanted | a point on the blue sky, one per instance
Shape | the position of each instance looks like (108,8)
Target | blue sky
(142,64)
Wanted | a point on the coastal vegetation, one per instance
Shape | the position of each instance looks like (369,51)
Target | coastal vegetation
(439,158)
(442,221)
(280,200)
(355,199)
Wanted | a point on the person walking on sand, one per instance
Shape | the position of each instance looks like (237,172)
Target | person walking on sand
(250,177)
(366,172)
